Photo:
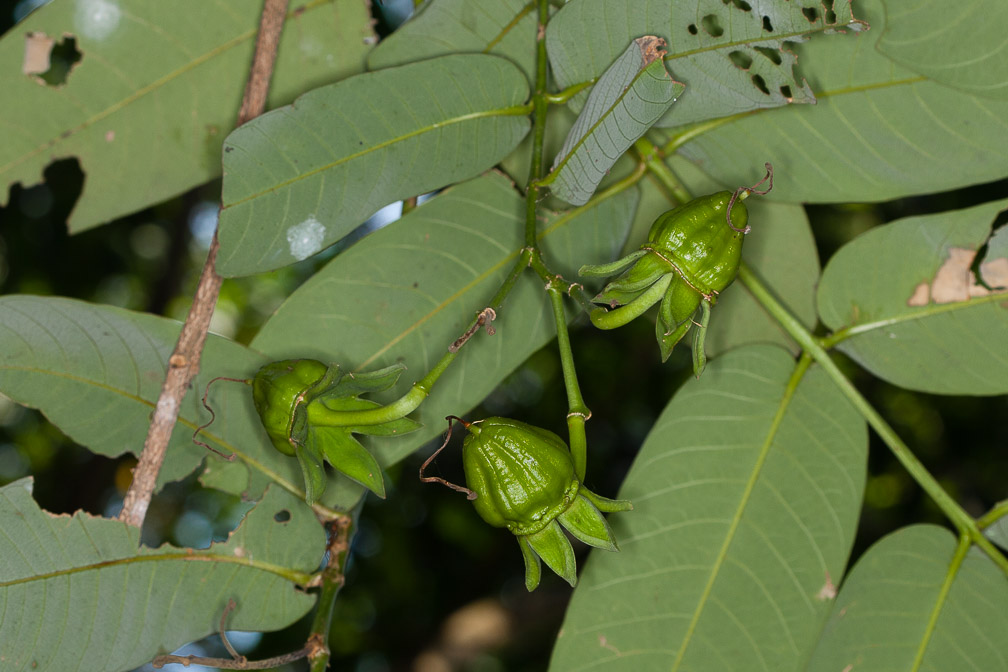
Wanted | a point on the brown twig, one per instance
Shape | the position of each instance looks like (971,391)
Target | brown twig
(236,664)
(470,495)
(185,359)
(486,316)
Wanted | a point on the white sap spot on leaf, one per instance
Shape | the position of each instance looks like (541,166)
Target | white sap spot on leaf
(305,239)
(97,19)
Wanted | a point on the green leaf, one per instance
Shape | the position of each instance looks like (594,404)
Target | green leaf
(156,75)
(629,97)
(927,36)
(723,51)
(878,131)
(502,27)
(998,532)
(140,602)
(96,372)
(914,315)
(300,178)
(746,496)
(406,292)
(906,606)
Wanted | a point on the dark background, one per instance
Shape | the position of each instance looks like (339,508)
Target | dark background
(430,586)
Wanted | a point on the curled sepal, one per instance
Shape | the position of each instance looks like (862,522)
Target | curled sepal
(533,566)
(605,504)
(675,316)
(699,336)
(552,546)
(585,522)
(348,456)
(627,287)
(610,319)
(310,459)
(612,268)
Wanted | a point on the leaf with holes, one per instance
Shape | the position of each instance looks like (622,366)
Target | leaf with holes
(906,299)
(440,265)
(298,179)
(502,27)
(634,92)
(96,372)
(927,36)
(911,604)
(746,496)
(155,74)
(733,56)
(879,130)
(140,601)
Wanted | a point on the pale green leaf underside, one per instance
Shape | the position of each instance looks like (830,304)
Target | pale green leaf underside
(299,178)
(96,372)
(629,97)
(878,131)
(740,526)
(960,44)
(903,291)
(158,87)
(406,292)
(78,593)
(723,53)
(882,616)
(502,27)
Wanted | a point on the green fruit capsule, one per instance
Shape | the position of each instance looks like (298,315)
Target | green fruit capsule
(277,390)
(698,241)
(311,411)
(521,477)
(693,253)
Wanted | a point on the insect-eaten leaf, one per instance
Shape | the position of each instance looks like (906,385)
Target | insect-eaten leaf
(628,98)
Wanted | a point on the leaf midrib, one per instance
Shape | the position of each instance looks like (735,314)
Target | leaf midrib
(792,386)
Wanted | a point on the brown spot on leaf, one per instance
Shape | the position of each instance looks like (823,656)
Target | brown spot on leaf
(38,48)
(954,282)
(651,49)
(828,590)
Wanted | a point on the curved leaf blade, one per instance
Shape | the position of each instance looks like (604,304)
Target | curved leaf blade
(746,498)
(298,179)
(912,309)
(927,36)
(882,617)
(629,97)
(96,372)
(182,95)
(722,51)
(879,131)
(140,601)
(502,27)
(407,291)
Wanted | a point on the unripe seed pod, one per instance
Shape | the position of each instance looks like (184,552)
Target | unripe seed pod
(697,240)
(523,476)
(277,389)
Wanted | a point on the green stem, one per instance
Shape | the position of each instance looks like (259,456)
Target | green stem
(320,415)
(539,105)
(696,131)
(962,521)
(562,97)
(654,158)
(577,411)
(999,511)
